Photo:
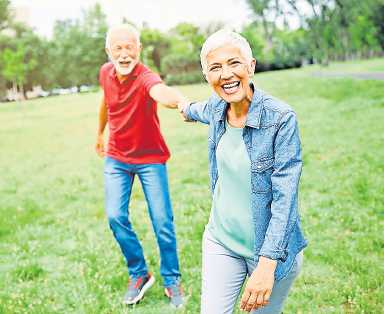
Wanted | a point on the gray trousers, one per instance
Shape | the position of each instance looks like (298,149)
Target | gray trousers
(224,273)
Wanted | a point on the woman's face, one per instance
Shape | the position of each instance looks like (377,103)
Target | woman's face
(228,73)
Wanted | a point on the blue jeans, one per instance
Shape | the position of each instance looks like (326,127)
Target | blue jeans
(119,179)
(224,273)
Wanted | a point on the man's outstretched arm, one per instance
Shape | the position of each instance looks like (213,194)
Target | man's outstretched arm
(167,96)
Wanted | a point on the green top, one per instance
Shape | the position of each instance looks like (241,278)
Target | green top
(231,217)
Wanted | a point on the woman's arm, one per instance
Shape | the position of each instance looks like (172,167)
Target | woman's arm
(285,183)
(199,111)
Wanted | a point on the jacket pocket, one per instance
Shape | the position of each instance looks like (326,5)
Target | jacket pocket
(261,175)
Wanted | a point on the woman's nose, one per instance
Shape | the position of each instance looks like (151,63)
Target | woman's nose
(226,72)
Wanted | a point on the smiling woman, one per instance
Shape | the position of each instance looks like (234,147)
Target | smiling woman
(255,166)
(228,73)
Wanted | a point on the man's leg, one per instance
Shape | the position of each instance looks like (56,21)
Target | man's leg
(154,181)
(118,186)
(223,274)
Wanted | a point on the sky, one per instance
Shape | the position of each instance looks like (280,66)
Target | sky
(160,14)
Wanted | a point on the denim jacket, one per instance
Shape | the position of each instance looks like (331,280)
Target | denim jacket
(271,137)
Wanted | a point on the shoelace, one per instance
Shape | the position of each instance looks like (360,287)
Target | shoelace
(138,283)
(135,283)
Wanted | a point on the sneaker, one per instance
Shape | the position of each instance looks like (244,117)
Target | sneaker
(137,287)
(176,295)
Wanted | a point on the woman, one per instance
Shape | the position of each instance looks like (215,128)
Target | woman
(255,165)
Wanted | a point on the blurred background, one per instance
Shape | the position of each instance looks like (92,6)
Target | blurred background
(50,48)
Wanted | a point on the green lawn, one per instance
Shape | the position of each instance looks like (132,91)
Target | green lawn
(373,65)
(57,254)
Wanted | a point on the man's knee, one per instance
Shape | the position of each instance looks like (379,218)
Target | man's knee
(164,229)
(117,220)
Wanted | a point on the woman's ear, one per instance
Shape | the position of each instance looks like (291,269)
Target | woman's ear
(252,67)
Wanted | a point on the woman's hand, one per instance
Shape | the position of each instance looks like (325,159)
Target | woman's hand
(259,286)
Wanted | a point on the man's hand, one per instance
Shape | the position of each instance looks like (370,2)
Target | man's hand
(180,107)
(259,286)
(99,147)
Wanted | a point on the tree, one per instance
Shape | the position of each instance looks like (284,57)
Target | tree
(260,9)
(77,50)
(15,67)
(332,29)
(36,54)
(156,45)
(256,40)
(4,13)
(182,64)
(378,21)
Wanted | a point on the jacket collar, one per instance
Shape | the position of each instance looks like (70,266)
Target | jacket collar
(254,111)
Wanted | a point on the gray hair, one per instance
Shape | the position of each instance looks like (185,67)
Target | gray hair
(221,38)
(126,27)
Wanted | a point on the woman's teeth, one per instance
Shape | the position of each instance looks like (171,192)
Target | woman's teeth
(231,87)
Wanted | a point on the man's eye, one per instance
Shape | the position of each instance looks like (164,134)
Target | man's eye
(213,69)
(235,63)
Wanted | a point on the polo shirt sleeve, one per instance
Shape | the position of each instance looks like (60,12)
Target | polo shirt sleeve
(102,74)
(150,79)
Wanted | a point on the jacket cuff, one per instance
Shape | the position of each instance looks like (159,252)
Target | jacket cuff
(275,254)
(187,111)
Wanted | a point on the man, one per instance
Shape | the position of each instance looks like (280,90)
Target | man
(136,147)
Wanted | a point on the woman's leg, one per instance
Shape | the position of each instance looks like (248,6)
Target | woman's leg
(223,274)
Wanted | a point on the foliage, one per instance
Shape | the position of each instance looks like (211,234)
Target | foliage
(253,34)
(15,67)
(71,58)
(4,13)
(155,46)
(328,30)
(185,78)
(77,49)
(334,30)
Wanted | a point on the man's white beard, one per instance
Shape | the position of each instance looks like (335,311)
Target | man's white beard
(123,70)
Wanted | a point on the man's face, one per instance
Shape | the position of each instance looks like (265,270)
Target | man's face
(124,51)
(228,73)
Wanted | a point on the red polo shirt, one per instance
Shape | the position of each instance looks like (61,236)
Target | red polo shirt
(134,127)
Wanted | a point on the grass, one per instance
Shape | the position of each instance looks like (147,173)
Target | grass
(57,254)
(350,67)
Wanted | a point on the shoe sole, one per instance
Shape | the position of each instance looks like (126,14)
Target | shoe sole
(148,285)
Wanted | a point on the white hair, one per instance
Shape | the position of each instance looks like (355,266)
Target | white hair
(221,38)
(126,27)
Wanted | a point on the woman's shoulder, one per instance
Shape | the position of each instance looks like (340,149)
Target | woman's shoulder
(274,110)
(274,104)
